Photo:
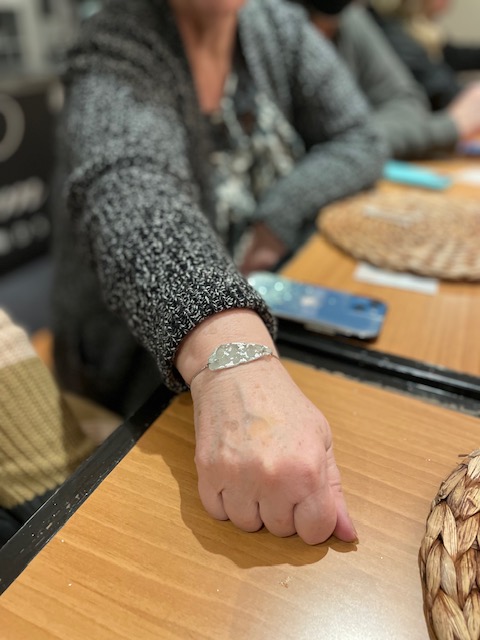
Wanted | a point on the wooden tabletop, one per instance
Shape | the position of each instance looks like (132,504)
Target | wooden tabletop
(142,560)
(440,329)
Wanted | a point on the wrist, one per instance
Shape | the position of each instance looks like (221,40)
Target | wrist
(235,378)
(236,325)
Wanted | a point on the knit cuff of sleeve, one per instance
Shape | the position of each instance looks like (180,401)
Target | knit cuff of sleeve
(293,230)
(214,292)
(444,131)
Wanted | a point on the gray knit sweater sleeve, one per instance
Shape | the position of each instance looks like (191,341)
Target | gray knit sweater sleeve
(135,208)
(401,110)
(344,151)
(135,158)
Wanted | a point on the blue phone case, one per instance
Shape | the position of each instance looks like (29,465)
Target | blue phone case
(320,309)
(411,174)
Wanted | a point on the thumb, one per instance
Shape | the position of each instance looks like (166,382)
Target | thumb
(344,529)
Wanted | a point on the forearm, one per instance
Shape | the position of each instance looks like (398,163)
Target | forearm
(345,153)
(414,132)
(400,109)
(336,169)
(137,217)
(436,78)
(159,263)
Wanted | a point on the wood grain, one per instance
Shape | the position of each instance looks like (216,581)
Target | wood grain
(141,559)
(440,329)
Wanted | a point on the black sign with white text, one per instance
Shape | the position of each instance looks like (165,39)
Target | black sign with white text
(26,161)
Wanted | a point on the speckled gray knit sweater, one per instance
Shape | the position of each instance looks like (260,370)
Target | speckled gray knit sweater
(138,261)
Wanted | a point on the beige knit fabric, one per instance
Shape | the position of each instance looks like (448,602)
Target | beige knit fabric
(40,440)
(14,347)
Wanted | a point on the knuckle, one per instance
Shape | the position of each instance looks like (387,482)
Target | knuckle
(281,525)
(250,526)
(308,476)
(298,473)
(204,462)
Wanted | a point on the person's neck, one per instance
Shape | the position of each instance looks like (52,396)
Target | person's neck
(212,35)
(209,43)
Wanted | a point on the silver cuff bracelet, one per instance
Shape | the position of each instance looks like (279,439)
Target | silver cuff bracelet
(233,354)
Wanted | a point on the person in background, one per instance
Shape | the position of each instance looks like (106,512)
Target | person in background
(192,127)
(41,442)
(410,27)
(401,111)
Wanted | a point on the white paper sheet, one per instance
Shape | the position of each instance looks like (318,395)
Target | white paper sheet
(398,280)
(468,176)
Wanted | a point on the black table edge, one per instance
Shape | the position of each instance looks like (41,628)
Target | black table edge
(441,385)
(22,548)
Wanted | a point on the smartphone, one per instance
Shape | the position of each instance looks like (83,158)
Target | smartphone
(320,309)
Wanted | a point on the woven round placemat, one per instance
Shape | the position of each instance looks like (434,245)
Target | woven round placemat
(424,233)
(450,557)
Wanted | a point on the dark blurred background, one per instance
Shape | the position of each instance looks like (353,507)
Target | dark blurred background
(33,37)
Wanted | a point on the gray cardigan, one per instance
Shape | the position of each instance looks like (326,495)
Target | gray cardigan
(138,262)
(402,112)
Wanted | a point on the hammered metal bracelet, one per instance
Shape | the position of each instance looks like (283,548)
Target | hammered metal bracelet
(233,354)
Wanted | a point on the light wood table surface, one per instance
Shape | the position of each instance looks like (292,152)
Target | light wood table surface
(141,560)
(441,329)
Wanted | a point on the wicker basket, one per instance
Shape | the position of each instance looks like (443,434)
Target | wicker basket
(424,233)
(450,555)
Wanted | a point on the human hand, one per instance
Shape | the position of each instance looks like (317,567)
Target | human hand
(263,252)
(264,454)
(263,450)
(465,111)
